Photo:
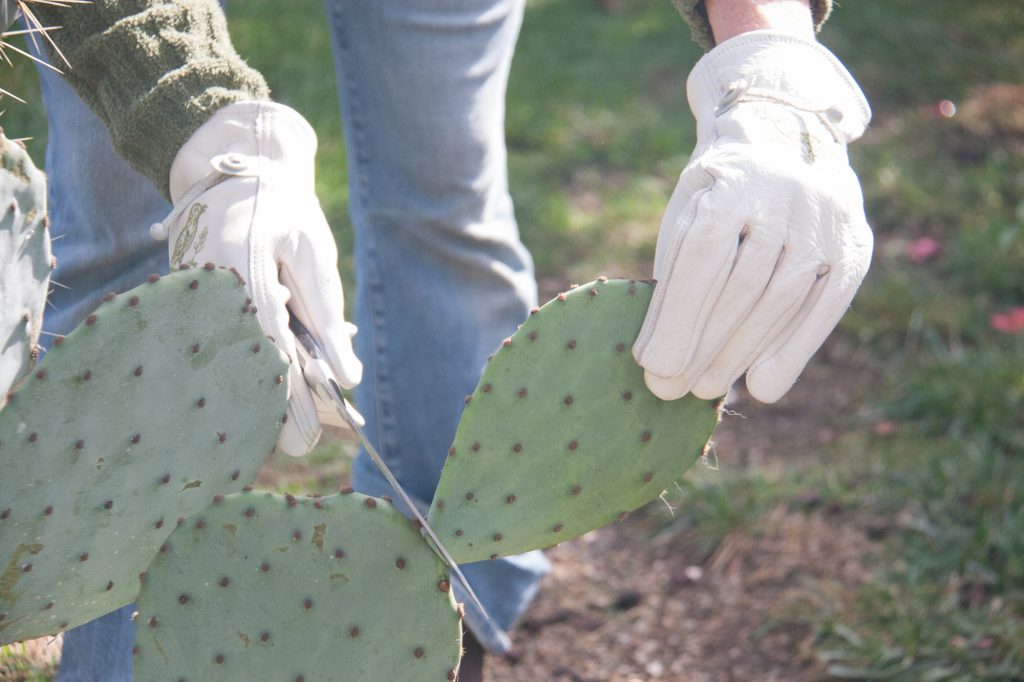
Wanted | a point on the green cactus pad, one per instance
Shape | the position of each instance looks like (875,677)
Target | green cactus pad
(25,260)
(167,395)
(561,436)
(269,587)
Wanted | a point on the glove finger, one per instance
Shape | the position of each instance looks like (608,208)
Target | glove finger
(301,430)
(759,254)
(775,370)
(770,317)
(309,270)
(693,274)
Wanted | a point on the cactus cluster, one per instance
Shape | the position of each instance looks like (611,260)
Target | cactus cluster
(164,397)
(25,260)
(127,454)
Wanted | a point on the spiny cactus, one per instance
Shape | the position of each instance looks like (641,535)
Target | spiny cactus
(166,396)
(561,436)
(273,587)
(25,260)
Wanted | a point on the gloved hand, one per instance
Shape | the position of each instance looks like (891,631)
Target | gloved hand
(243,195)
(764,241)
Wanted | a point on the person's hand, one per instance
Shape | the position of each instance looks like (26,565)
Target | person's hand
(243,194)
(764,241)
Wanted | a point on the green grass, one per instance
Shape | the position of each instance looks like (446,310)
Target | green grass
(598,131)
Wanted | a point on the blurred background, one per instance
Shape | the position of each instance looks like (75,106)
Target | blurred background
(871,524)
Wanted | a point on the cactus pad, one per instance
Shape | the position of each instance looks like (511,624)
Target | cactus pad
(271,587)
(25,260)
(166,396)
(561,436)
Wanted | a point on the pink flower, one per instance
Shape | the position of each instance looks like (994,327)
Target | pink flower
(924,249)
(1011,322)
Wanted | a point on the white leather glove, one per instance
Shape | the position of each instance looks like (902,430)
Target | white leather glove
(764,241)
(243,194)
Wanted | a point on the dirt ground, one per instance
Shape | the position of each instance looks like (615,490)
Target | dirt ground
(634,602)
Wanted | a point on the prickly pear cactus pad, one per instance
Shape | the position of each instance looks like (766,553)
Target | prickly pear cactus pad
(561,436)
(25,260)
(167,395)
(268,587)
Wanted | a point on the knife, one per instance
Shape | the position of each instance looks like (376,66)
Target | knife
(322,381)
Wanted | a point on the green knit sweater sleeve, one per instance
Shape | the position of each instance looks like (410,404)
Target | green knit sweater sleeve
(152,70)
(697,17)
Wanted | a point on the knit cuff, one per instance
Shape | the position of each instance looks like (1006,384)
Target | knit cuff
(697,17)
(152,71)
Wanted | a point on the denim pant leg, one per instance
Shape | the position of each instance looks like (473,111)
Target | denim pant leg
(100,212)
(442,276)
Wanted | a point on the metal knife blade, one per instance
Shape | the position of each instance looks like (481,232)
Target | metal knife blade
(321,380)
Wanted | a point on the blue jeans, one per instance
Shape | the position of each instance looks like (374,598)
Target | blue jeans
(441,275)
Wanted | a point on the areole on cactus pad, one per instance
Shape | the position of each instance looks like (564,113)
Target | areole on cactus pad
(261,586)
(165,397)
(561,436)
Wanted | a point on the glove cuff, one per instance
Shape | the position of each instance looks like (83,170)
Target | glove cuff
(246,139)
(766,65)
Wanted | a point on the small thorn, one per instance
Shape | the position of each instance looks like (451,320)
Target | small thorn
(194,284)
(568,400)
(265,567)
(133,301)
(87,375)
(346,490)
(400,564)
(91,320)
(209,266)
(138,371)
(419,653)
(573,445)
(153,278)
(48,511)
(518,447)
(443,585)
(645,436)
(264,636)
(497,537)
(249,512)
(308,604)
(183,599)
(451,452)
(522,393)
(470,496)
(108,505)
(195,348)
(557,528)
(571,344)
(136,438)
(510,499)
(476,447)
(84,556)
(370,502)
(575,490)
(353,632)
(224,582)
(627,395)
